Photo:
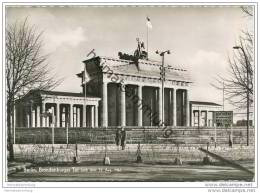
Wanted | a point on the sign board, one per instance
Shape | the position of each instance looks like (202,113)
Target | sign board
(223,118)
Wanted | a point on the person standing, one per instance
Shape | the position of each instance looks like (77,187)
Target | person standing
(138,153)
(118,138)
(123,138)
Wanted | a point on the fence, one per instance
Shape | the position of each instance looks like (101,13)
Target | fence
(144,135)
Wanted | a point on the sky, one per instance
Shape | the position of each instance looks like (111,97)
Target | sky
(200,38)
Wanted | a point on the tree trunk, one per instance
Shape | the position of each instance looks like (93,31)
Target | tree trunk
(10,130)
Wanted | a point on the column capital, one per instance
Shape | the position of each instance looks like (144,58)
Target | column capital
(122,86)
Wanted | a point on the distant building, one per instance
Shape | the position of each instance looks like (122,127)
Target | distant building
(67,108)
(202,113)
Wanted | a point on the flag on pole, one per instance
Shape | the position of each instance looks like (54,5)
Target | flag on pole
(85,76)
(148,23)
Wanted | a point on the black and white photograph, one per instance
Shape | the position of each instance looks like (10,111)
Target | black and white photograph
(130,93)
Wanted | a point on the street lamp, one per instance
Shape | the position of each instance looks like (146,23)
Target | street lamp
(247,92)
(162,68)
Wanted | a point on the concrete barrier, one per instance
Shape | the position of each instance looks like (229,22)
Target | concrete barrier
(150,152)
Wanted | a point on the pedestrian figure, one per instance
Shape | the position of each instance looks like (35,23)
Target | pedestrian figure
(230,143)
(123,138)
(138,153)
(118,138)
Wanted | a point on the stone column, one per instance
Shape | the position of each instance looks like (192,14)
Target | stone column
(28,120)
(43,118)
(187,109)
(47,121)
(58,115)
(32,117)
(78,118)
(84,115)
(191,118)
(38,116)
(96,115)
(199,116)
(139,106)
(206,118)
(160,112)
(71,115)
(53,116)
(174,114)
(92,121)
(104,105)
(122,105)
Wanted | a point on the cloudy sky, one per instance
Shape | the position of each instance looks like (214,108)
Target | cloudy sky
(200,38)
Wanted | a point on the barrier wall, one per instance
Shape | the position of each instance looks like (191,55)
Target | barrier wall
(144,135)
(151,153)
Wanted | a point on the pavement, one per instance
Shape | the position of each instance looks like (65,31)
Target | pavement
(135,172)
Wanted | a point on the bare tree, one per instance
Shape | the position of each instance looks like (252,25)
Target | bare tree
(26,68)
(237,84)
(241,70)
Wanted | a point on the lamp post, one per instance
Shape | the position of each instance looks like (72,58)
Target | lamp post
(247,92)
(162,73)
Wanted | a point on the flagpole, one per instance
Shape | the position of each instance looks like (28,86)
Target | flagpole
(84,108)
(85,105)
(147,40)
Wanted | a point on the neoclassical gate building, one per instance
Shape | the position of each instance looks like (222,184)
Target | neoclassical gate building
(115,92)
(131,93)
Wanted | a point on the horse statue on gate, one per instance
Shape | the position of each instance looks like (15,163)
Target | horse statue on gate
(140,52)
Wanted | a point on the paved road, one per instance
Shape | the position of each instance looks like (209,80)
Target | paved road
(135,172)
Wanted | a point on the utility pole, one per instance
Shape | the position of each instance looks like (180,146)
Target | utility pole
(247,92)
(85,92)
(223,96)
(162,73)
